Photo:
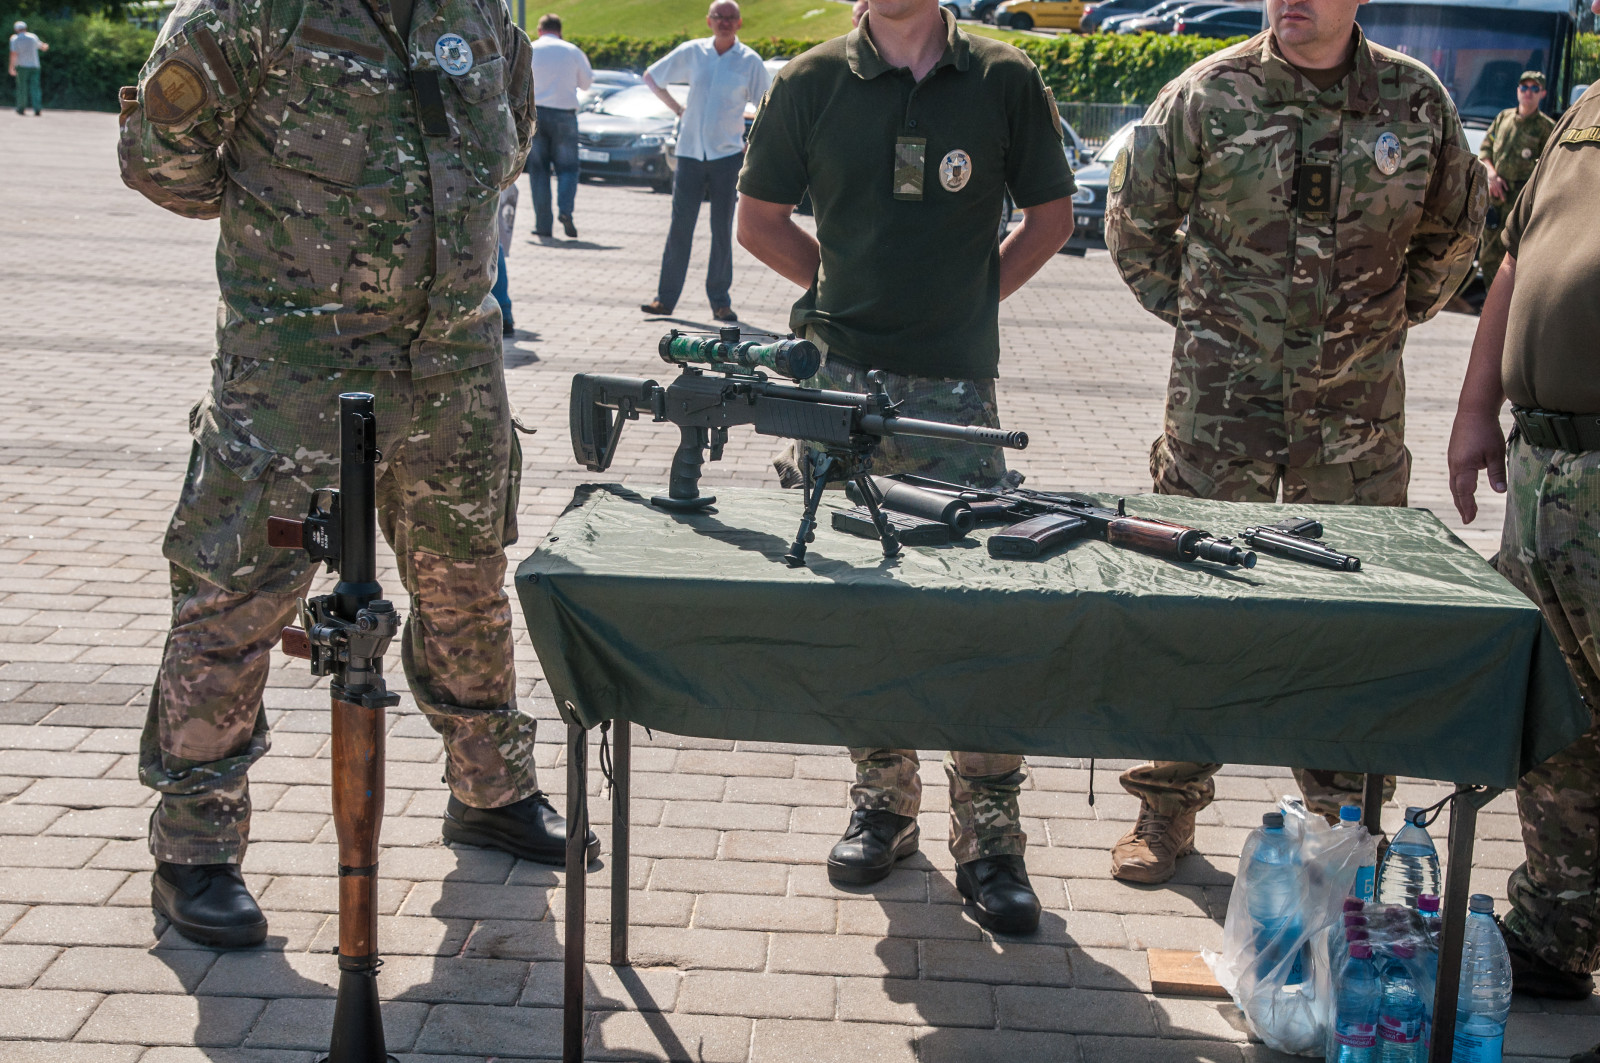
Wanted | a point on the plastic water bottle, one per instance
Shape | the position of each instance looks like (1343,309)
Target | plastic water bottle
(1274,899)
(1363,889)
(1357,992)
(1485,998)
(1428,906)
(1400,1012)
(1411,866)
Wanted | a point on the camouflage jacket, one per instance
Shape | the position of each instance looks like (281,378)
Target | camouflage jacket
(1319,226)
(1513,145)
(358,207)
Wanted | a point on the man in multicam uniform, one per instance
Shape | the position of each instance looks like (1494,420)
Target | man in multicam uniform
(907,134)
(1331,203)
(1536,346)
(356,162)
(1510,151)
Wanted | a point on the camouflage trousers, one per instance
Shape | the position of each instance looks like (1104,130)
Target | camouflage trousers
(266,436)
(1551,550)
(984,817)
(1171,787)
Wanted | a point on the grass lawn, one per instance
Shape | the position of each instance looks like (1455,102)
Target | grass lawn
(650,19)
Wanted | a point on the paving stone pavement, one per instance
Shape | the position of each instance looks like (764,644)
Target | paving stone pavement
(742,949)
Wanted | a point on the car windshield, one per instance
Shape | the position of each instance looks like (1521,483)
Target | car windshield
(1479,53)
(640,102)
(1108,154)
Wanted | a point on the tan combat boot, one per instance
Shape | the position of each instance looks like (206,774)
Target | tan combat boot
(1149,852)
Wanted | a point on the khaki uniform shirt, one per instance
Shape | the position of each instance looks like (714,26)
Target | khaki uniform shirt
(1320,225)
(1550,359)
(1513,145)
(358,208)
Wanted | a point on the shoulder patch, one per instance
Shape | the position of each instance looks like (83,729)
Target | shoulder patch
(1119,171)
(173,93)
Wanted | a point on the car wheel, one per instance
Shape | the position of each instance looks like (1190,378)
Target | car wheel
(988,17)
(1022,22)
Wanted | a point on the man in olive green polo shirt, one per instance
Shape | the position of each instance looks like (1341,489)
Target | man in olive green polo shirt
(907,134)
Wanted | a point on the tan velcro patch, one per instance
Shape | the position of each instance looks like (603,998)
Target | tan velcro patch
(173,93)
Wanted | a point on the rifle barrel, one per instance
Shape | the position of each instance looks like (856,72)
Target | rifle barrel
(877,424)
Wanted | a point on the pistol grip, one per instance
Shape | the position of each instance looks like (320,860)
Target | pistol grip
(296,643)
(286,533)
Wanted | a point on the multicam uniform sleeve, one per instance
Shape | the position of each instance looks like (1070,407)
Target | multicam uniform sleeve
(1445,240)
(1486,149)
(519,93)
(1152,183)
(206,66)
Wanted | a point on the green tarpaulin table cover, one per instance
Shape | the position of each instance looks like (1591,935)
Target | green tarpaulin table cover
(1425,663)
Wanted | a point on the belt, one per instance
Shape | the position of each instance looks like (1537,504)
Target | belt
(1574,432)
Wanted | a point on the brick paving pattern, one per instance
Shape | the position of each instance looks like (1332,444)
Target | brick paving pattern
(743,951)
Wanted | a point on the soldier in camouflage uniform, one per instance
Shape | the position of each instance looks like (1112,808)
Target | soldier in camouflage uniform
(355,156)
(907,134)
(1535,347)
(1510,151)
(1331,203)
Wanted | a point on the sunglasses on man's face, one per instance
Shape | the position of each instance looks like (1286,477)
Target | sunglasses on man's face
(1529,88)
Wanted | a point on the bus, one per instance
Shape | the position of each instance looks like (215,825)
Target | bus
(1479,48)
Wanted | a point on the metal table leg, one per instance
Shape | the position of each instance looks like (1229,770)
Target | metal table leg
(1372,803)
(621,768)
(1452,934)
(577,886)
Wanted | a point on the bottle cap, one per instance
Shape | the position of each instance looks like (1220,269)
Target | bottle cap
(1349,813)
(1356,933)
(1360,950)
(1482,902)
(1272,820)
(1412,813)
(1403,950)
(1354,919)
(1427,902)
(1354,904)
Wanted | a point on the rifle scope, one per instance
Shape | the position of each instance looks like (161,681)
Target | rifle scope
(795,359)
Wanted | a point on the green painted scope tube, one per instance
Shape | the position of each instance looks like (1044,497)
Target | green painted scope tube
(795,359)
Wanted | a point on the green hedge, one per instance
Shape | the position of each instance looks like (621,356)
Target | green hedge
(1586,59)
(1115,67)
(90,57)
(619,52)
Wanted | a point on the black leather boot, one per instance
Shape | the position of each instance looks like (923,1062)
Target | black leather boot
(872,843)
(208,904)
(530,828)
(999,890)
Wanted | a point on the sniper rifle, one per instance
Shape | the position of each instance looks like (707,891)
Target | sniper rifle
(721,385)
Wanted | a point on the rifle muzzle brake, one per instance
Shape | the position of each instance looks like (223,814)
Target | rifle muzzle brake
(1221,552)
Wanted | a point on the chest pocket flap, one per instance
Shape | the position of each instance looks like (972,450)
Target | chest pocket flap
(333,100)
(486,80)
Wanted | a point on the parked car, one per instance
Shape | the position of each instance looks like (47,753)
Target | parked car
(630,136)
(1089,201)
(959,8)
(1120,24)
(983,10)
(1221,23)
(1046,14)
(606,83)
(1163,22)
(1094,15)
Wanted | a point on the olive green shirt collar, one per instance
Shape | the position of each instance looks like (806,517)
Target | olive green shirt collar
(866,63)
(1285,84)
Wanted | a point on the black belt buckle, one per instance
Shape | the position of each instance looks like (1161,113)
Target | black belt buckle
(1555,431)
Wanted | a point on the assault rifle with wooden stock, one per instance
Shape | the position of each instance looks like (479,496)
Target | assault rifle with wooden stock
(721,385)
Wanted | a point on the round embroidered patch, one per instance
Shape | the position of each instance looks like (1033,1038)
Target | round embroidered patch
(1386,153)
(173,93)
(454,54)
(955,170)
(1119,171)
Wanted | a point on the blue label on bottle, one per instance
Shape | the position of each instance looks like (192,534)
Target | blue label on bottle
(1357,1034)
(1363,889)
(1478,1047)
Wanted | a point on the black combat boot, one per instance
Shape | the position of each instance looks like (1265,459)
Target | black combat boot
(872,843)
(1532,976)
(530,828)
(999,890)
(208,904)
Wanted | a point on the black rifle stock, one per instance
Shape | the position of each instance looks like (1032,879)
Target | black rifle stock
(845,426)
(345,634)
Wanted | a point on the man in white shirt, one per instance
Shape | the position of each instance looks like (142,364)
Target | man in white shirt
(560,69)
(723,75)
(25,49)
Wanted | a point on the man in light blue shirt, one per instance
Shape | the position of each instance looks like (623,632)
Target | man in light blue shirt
(723,76)
(25,49)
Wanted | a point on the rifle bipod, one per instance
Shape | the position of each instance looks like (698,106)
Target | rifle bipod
(822,468)
(344,635)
